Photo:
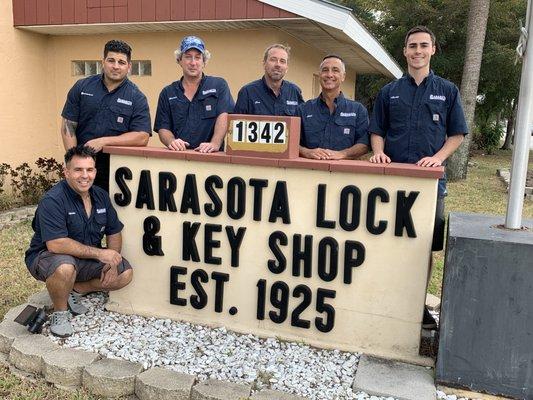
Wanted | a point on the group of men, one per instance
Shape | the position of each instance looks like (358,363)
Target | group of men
(416,119)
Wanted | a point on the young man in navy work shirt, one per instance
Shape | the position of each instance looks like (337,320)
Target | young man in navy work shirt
(271,95)
(419,119)
(192,113)
(333,127)
(106,110)
(66,251)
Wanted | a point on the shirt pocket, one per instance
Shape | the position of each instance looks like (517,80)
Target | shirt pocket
(398,114)
(209,106)
(344,135)
(97,229)
(120,118)
(76,227)
(312,132)
(290,110)
(437,117)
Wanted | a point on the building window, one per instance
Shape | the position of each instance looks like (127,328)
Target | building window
(92,67)
(316,85)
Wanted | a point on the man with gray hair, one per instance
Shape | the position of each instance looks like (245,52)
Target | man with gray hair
(192,113)
(333,127)
(271,95)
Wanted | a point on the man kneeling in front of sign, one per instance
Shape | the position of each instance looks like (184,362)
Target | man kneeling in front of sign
(66,250)
(333,127)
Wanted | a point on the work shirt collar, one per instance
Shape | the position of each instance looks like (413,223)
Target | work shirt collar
(102,79)
(269,89)
(200,85)
(411,80)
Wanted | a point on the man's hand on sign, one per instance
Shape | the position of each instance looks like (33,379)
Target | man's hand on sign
(108,276)
(207,147)
(108,256)
(178,145)
(336,155)
(429,162)
(97,144)
(380,158)
(318,154)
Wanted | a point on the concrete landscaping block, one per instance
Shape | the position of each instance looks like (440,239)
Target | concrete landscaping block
(111,378)
(402,381)
(9,331)
(432,302)
(163,384)
(275,395)
(64,367)
(27,352)
(41,299)
(213,389)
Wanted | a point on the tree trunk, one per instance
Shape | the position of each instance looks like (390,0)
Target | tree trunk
(475,40)
(510,128)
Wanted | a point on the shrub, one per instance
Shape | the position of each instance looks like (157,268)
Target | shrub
(487,136)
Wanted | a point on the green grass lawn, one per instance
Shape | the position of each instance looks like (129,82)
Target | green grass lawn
(482,192)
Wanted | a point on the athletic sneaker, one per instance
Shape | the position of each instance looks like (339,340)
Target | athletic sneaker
(74,304)
(428,322)
(60,324)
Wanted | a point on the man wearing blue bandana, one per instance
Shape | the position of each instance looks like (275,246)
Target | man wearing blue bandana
(271,95)
(192,113)
(106,110)
(419,119)
(333,127)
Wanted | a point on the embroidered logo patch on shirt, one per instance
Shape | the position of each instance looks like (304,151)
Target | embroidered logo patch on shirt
(309,116)
(436,117)
(209,91)
(122,101)
(437,97)
(257,102)
(120,120)
(100,210)
(352,114)
(173,98)
(346,131)
(86,94)
(208,107)
(72,213)
(292,103)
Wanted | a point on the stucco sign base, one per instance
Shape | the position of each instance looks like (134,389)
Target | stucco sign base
(243,267)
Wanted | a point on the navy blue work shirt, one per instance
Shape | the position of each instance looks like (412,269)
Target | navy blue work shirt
(100,112)
(257,98)
(193,121)
(346,127)
(415,120)
(61,214)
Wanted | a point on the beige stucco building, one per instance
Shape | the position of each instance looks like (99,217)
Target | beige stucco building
(42,40)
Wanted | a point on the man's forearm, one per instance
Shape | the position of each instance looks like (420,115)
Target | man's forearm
(377,143)
(73,248)
(127,139)
(165,136)
(68,133)
(221,125)
(114,242)
(355,151)
(450,145)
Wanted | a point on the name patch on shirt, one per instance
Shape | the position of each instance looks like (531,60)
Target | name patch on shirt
(352,114)
(437,97)
(100,210)
(309,116)
(292,103)
(72,213)
(173,97)
(127,102)
(86,94)
(394,97)
(209,91)
(257,102)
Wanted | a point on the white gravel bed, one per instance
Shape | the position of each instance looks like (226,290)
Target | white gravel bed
(217,353)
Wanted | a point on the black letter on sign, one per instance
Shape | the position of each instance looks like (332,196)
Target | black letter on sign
(214,209)
(321,222)
(121,174)
(235,241)
(279,267)
(298,255)
(323,307)
(371,226)
(199,300)
(210,244)
(167,187)
(236,198)
(350,261)
(189,199)
(347,192)
(176,285)
(280,204)
(258,185)
(145,194)
(323,245)
(403,213)
(220,279)
(151,242)
(190,251)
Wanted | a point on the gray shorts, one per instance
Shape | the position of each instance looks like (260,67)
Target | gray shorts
(46,263)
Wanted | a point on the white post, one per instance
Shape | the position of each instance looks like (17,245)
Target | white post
(522,137)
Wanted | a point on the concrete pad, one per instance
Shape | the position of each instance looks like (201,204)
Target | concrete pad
(9,331)
(41,299)
(402,381)
(111,378)
(27,352)
(432,302)
(163,384)
(64,367)
(274,395)
(213,389)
